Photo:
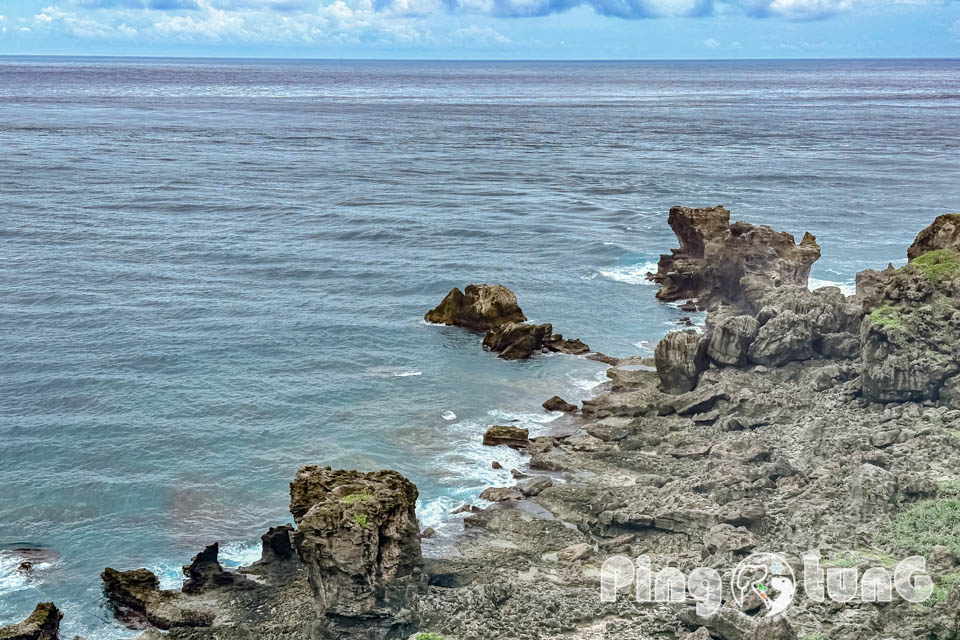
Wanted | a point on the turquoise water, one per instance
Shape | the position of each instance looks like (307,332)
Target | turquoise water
(212,272)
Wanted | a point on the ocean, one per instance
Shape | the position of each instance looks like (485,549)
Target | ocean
(214,271)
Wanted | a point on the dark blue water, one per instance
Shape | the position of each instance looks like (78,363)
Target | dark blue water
(212,272)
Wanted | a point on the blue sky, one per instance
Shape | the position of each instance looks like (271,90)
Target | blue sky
(487,29)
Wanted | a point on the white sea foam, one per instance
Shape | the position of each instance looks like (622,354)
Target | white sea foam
(240,554)
(586,384)
(848,288)
(630,274)
(10,579)
(392,372)
(448,415)
(169,574)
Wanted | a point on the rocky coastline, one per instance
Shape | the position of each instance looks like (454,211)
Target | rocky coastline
(797,422)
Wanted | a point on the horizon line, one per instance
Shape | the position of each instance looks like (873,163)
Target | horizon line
(440,59)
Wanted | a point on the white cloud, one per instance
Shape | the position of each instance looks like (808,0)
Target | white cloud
(475,34)
(82,26)
(25,29)
(213,23)
(805,9)
(711,43)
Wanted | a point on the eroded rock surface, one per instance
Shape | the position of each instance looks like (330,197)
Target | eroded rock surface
(943,233)
(139,602)
(720,262)
(478,307)
(358,535)
(42,624)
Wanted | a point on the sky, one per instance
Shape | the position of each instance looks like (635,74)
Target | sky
(484,29)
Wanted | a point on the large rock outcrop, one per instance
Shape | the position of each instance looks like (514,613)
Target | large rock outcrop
(357,534)
(943,233)
(138,601)
(42,624)
(681,356)
(911,338)
(720,262)
(478,307)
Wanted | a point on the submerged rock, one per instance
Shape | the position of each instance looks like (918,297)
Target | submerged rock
(42,624)
(556,403)
(358,535)
(505,435)
(479,307)
(516,341)
(732,263)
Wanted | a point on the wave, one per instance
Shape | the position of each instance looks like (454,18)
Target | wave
(848,287)
(630,274)
(448,415)
(392,372)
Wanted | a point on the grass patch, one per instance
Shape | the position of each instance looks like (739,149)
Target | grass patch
(924,525)
(949,487)
(941,590)
(354,498)
(887,317)
(862,556)
(430,636)
(361,520)
(812,636)
(938,266)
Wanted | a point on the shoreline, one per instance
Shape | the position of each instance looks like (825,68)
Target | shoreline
(739,440)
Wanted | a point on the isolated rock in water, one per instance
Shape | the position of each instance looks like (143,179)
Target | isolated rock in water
(730,339)
(681,358)
(358,535)
(205,572)
(943,233)
(42,624)
(479,307)
(733,263)
(910,341)
(138,601)
(786,337)
(503,435)
(276,545)
(516,341)
(574,346)
(556,403)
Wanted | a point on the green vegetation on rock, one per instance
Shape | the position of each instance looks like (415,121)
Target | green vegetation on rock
(354,498)
(924,525)
(361,519)
(941,590)
(887,317)
(430,636)
(938,266)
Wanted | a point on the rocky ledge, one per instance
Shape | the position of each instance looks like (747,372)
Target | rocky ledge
(799,423)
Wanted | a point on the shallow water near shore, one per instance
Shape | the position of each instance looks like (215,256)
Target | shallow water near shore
(216,271)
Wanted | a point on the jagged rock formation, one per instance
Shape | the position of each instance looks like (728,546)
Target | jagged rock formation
(357,534)
(205,572)
(277,546)
(720,262)
(42,624)
(479,307)
(138,601)
(943,233)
